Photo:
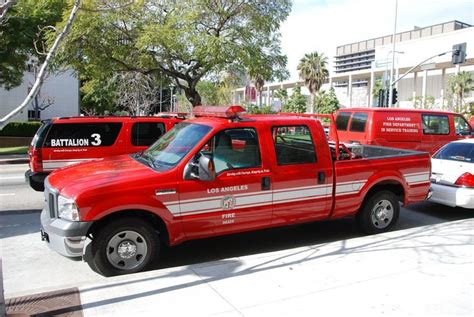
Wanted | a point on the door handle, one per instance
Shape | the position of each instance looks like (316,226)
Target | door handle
(266,183)
(321,177)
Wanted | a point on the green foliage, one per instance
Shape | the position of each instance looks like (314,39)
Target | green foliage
(21,129)
(19,31)
(254,109)
(459,86)
(98,96)
(14,150)
(312,69)
(418,103)
(296,103)
(215,93)
(326,102)
(378,85)
(281,94)
(182,40)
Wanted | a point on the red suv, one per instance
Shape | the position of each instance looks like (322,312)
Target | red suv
(60,142)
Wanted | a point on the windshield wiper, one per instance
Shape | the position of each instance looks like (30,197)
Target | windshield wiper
(148,158)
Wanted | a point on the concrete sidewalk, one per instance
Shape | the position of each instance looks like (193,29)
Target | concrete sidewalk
(424,271)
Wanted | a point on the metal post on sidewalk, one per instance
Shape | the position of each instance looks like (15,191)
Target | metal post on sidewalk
(3,310)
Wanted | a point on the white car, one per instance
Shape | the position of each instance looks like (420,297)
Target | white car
(452,174)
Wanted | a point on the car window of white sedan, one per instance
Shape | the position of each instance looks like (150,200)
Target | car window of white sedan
(456,151)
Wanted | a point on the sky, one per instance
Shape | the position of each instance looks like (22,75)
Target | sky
(318,25)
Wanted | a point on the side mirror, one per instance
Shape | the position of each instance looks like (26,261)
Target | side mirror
(203,169)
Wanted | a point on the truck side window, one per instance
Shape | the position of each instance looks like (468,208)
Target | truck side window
(435,124)
(461,126)
(146,133)
(83,134)
(234,148)
(342,120)
(293,145)
(359,119)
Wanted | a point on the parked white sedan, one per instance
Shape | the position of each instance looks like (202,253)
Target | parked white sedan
(452,174)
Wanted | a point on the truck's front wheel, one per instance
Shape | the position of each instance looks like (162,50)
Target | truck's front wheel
(124,246)
(379,213)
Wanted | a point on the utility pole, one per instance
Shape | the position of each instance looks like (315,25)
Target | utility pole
(390,98)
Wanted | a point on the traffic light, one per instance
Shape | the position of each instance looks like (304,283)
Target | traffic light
(459,54)
(381,100)
(394,96)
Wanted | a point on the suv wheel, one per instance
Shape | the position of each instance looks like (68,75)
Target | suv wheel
(124,246)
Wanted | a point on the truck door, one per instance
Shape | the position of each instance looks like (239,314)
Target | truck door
(302,178)
(239,198)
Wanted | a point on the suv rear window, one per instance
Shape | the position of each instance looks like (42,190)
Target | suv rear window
(83,134)
(342,120)
(38,139)
(146,133)
(358,122)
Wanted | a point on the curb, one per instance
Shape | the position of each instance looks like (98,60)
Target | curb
(19,212)
(14,161)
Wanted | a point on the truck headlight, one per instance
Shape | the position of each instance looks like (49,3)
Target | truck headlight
(67,209)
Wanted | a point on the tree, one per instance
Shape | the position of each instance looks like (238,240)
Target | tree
(312,69)
(378,86)
(4,8)
(218,92)
(296,103)
(184,40)
(327,102)
(281,94)
(136,93)
(427,104)
(459,86)
(23,26)
(42,72)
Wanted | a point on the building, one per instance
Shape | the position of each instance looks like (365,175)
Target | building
(357,66)
(58,97)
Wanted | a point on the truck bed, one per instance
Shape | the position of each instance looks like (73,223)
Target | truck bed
(359,151)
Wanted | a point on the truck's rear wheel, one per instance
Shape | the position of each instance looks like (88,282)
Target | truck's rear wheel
(124,246)
(379,213)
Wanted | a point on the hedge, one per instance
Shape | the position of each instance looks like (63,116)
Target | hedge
(22,129)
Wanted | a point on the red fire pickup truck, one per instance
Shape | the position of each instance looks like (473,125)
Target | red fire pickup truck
(222,173)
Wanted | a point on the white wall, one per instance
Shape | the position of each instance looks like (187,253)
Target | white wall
(62,89)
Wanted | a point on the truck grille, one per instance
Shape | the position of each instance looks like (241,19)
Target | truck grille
(51,198)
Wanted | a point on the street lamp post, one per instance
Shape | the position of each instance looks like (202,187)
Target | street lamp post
(387,81)
(393,56)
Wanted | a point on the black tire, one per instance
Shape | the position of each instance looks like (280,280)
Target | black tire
(137,241)
(379,212)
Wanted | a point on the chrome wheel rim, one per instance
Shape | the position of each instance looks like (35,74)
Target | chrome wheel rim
(126,250)
(382,214)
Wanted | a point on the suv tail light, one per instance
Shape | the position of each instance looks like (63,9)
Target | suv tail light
(36,160)
(465,180)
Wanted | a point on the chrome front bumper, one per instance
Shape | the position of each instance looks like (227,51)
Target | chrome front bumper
(63,236)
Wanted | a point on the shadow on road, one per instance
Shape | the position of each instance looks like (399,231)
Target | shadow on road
(19,223)
(442,212)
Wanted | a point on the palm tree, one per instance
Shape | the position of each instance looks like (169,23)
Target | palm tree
(459,86)
(258,82)
(312,69)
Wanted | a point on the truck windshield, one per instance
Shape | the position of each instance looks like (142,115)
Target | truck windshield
(174,145)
